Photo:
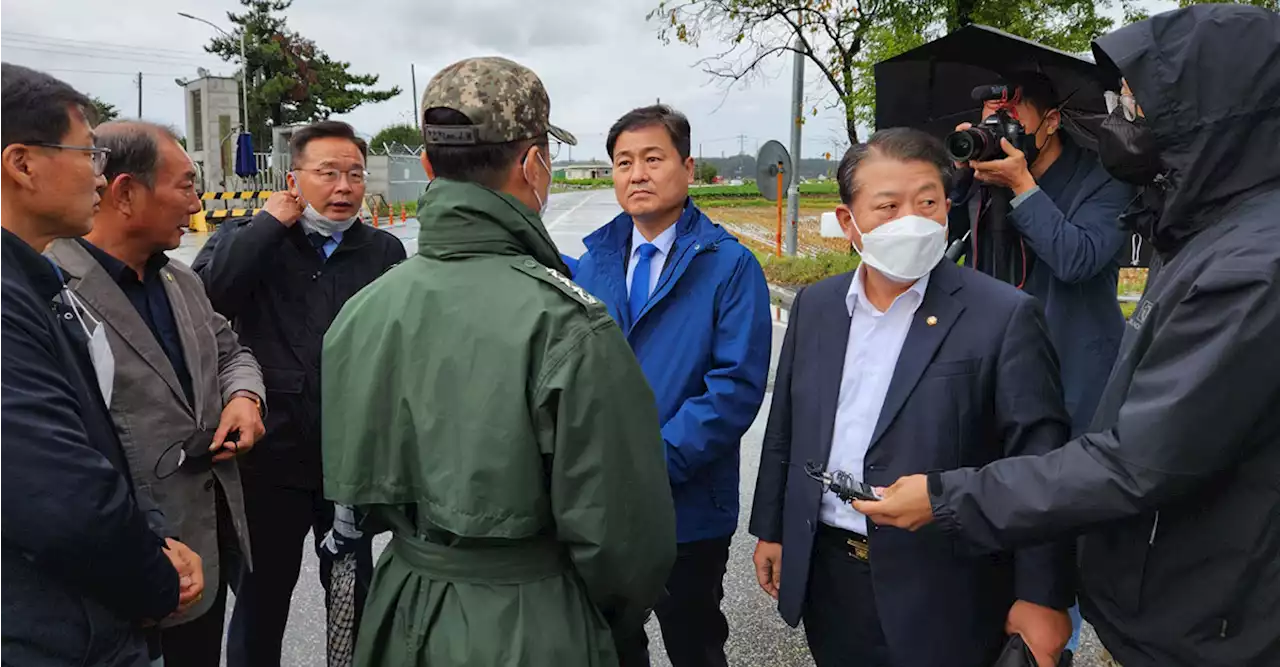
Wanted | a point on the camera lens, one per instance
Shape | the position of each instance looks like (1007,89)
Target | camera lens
(965,145)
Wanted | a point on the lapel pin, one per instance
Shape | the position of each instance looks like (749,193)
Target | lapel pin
(931,320)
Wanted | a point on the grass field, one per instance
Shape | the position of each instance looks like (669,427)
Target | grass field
(754,221)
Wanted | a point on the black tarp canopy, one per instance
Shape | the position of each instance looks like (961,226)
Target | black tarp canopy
(929,87)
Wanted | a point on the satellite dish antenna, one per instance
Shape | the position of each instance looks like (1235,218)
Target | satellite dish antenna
(772,160)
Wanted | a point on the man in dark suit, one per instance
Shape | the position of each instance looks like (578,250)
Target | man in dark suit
(907,364)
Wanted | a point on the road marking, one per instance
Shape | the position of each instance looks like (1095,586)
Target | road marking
(560,218)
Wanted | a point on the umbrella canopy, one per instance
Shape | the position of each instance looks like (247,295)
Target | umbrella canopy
(246,165)
(929,87)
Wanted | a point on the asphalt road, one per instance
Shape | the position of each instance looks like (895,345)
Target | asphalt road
(757,636)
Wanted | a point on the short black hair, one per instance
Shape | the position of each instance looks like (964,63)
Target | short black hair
(323,130)
(485,164)
(674,122)
(899,143)
(135,148)
(1036,89)
(36,106)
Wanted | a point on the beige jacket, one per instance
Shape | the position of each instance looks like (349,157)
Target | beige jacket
(150,409)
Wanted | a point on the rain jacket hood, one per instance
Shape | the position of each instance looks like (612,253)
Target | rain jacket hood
(461,220)
(1217,127)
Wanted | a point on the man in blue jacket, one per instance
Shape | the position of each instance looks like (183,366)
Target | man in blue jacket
(694,305)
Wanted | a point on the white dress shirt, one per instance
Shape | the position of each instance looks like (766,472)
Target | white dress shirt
(664,242)
(875,341)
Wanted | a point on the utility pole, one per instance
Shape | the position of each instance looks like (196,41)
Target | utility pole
(417,114)
(139,94)
(742,144)
(797,119)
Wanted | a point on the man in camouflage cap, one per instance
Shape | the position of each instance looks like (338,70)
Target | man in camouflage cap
(487,411)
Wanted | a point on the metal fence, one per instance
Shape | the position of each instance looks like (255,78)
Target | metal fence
(271,176)
(397,177)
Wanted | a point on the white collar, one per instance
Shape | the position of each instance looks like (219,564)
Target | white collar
(664,241)
(858,294)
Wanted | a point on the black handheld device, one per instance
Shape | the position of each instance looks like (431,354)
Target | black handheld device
(845,486)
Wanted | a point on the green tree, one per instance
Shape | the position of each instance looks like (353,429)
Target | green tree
(402,133)
(845,38)
(105,111)
(705,172)
(290,79)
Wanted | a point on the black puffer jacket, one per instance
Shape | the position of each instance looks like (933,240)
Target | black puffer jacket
(270,282)
(1177,487)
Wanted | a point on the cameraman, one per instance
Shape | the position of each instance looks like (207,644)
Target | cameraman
(1065,207)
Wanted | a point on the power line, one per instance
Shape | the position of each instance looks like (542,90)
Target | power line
(117,72)
(157,59)
(59,41)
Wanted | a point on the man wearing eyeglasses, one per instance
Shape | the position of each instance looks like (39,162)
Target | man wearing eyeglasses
(178,367)
(281,278)
(85,559)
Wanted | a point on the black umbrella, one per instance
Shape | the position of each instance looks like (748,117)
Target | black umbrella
(930,86)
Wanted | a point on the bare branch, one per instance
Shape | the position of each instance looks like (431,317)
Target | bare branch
(809,50)
(737,73)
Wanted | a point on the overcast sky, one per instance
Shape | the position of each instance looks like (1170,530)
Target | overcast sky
(598,58)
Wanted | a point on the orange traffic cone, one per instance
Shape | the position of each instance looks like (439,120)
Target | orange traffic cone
(403,216)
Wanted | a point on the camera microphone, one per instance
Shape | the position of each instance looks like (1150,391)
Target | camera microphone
(954,252)
(989,92)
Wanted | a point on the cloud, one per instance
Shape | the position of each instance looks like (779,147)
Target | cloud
(598,59)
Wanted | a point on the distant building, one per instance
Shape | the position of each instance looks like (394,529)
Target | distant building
(213,118)
(580,172)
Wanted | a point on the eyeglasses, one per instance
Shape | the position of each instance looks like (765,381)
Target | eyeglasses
(1124,100)
(96,154)
(330,176)
(553,149)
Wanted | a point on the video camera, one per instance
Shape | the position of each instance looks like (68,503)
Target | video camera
(999,244)
(982,141)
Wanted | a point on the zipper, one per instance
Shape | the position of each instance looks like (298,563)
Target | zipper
(1154,525)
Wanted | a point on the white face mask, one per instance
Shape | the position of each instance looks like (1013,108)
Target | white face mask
(315,221)
(104,361)
(542,203)
(904,250)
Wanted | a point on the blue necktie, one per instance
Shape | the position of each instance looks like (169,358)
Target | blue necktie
(639,295)
(318,240)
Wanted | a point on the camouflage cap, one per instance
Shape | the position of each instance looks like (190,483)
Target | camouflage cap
(504,100)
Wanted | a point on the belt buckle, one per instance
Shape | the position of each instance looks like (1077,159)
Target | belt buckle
(859,550)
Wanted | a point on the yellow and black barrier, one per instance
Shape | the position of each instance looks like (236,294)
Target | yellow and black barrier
(199,221)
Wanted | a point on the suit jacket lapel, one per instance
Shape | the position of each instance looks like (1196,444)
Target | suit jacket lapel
(935,317)
(186,334)
(100,291)
(833,343)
